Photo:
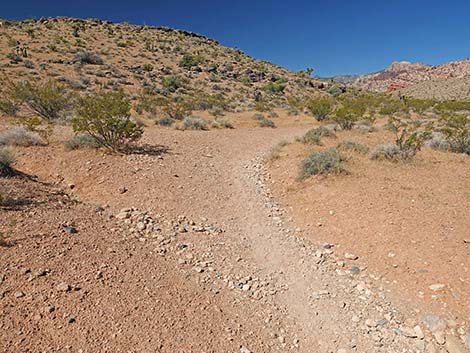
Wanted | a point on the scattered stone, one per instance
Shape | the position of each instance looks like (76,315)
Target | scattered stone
(440,337)
(63,287)
(350,256)
(19,294)
(354,270)
(437,287)
(371,323)
(122,190)
(419,332)
(246,287)
(244,350)
(408,332)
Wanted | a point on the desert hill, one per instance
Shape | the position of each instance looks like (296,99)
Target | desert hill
(92,54)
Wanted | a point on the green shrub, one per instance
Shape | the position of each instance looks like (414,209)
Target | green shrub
(172,82)
(188,61)
(313,136)
(266,123)
(6,159)
(80,141)
(9,107)
(410,136)
(320,107)
(50,100)
(165,121)
(438,141)
(20,136)
(274,87)
(456,129)
(348,145)
(322,162)
(106,117)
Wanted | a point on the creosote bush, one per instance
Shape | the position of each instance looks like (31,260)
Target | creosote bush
(320,107)
(456,128)
(50,100)
(386,151)
(20,136)
(322,162)
(106,117)
(165,121)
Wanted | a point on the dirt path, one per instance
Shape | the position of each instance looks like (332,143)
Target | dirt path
(307,299)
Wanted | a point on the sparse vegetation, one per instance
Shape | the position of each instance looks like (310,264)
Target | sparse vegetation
(20,136)
(87,57)
(456,128)
(80,141)
(7,157)
(320,107)
(348,145)
(50,100)
(106,117)
(192,123)
(322,162)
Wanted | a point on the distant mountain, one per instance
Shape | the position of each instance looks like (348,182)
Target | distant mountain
(429,81)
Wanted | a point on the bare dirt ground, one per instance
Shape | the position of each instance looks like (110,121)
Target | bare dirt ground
(207,260)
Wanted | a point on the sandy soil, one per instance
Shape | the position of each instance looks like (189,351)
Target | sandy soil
(265,283)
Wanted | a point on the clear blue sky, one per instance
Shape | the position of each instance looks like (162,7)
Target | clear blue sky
(334,37)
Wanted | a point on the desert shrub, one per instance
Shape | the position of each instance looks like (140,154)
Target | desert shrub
(6,159)
(14,57)
(345,119)
(438,141)
(147,67)
(274,87)
(106,117)
(410,136)
(452,106)
(165,121)
(188,61)
(348,145)
(419,106)
(9,107)
(388,151)
(266,123)
(176,109)
(390,106)
(50,100)
(222,124)
(456,129)
(80,141)
(335,90)
(320,107)
(322,162)
(192,123)
(172,82)
(20,136)
(87,57)
(313,136)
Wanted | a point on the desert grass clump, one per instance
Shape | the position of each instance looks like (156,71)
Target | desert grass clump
(165,121)
(348,145)
(438,141)
(322,162)
(81,141)
(222,124)
(87,57)
(106,117)
(313,136)
(20,136)
(192,123)
(262,121)
(7,157)
(386,151)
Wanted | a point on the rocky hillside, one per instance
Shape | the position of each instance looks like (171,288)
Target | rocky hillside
(445,81)
(88,55)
